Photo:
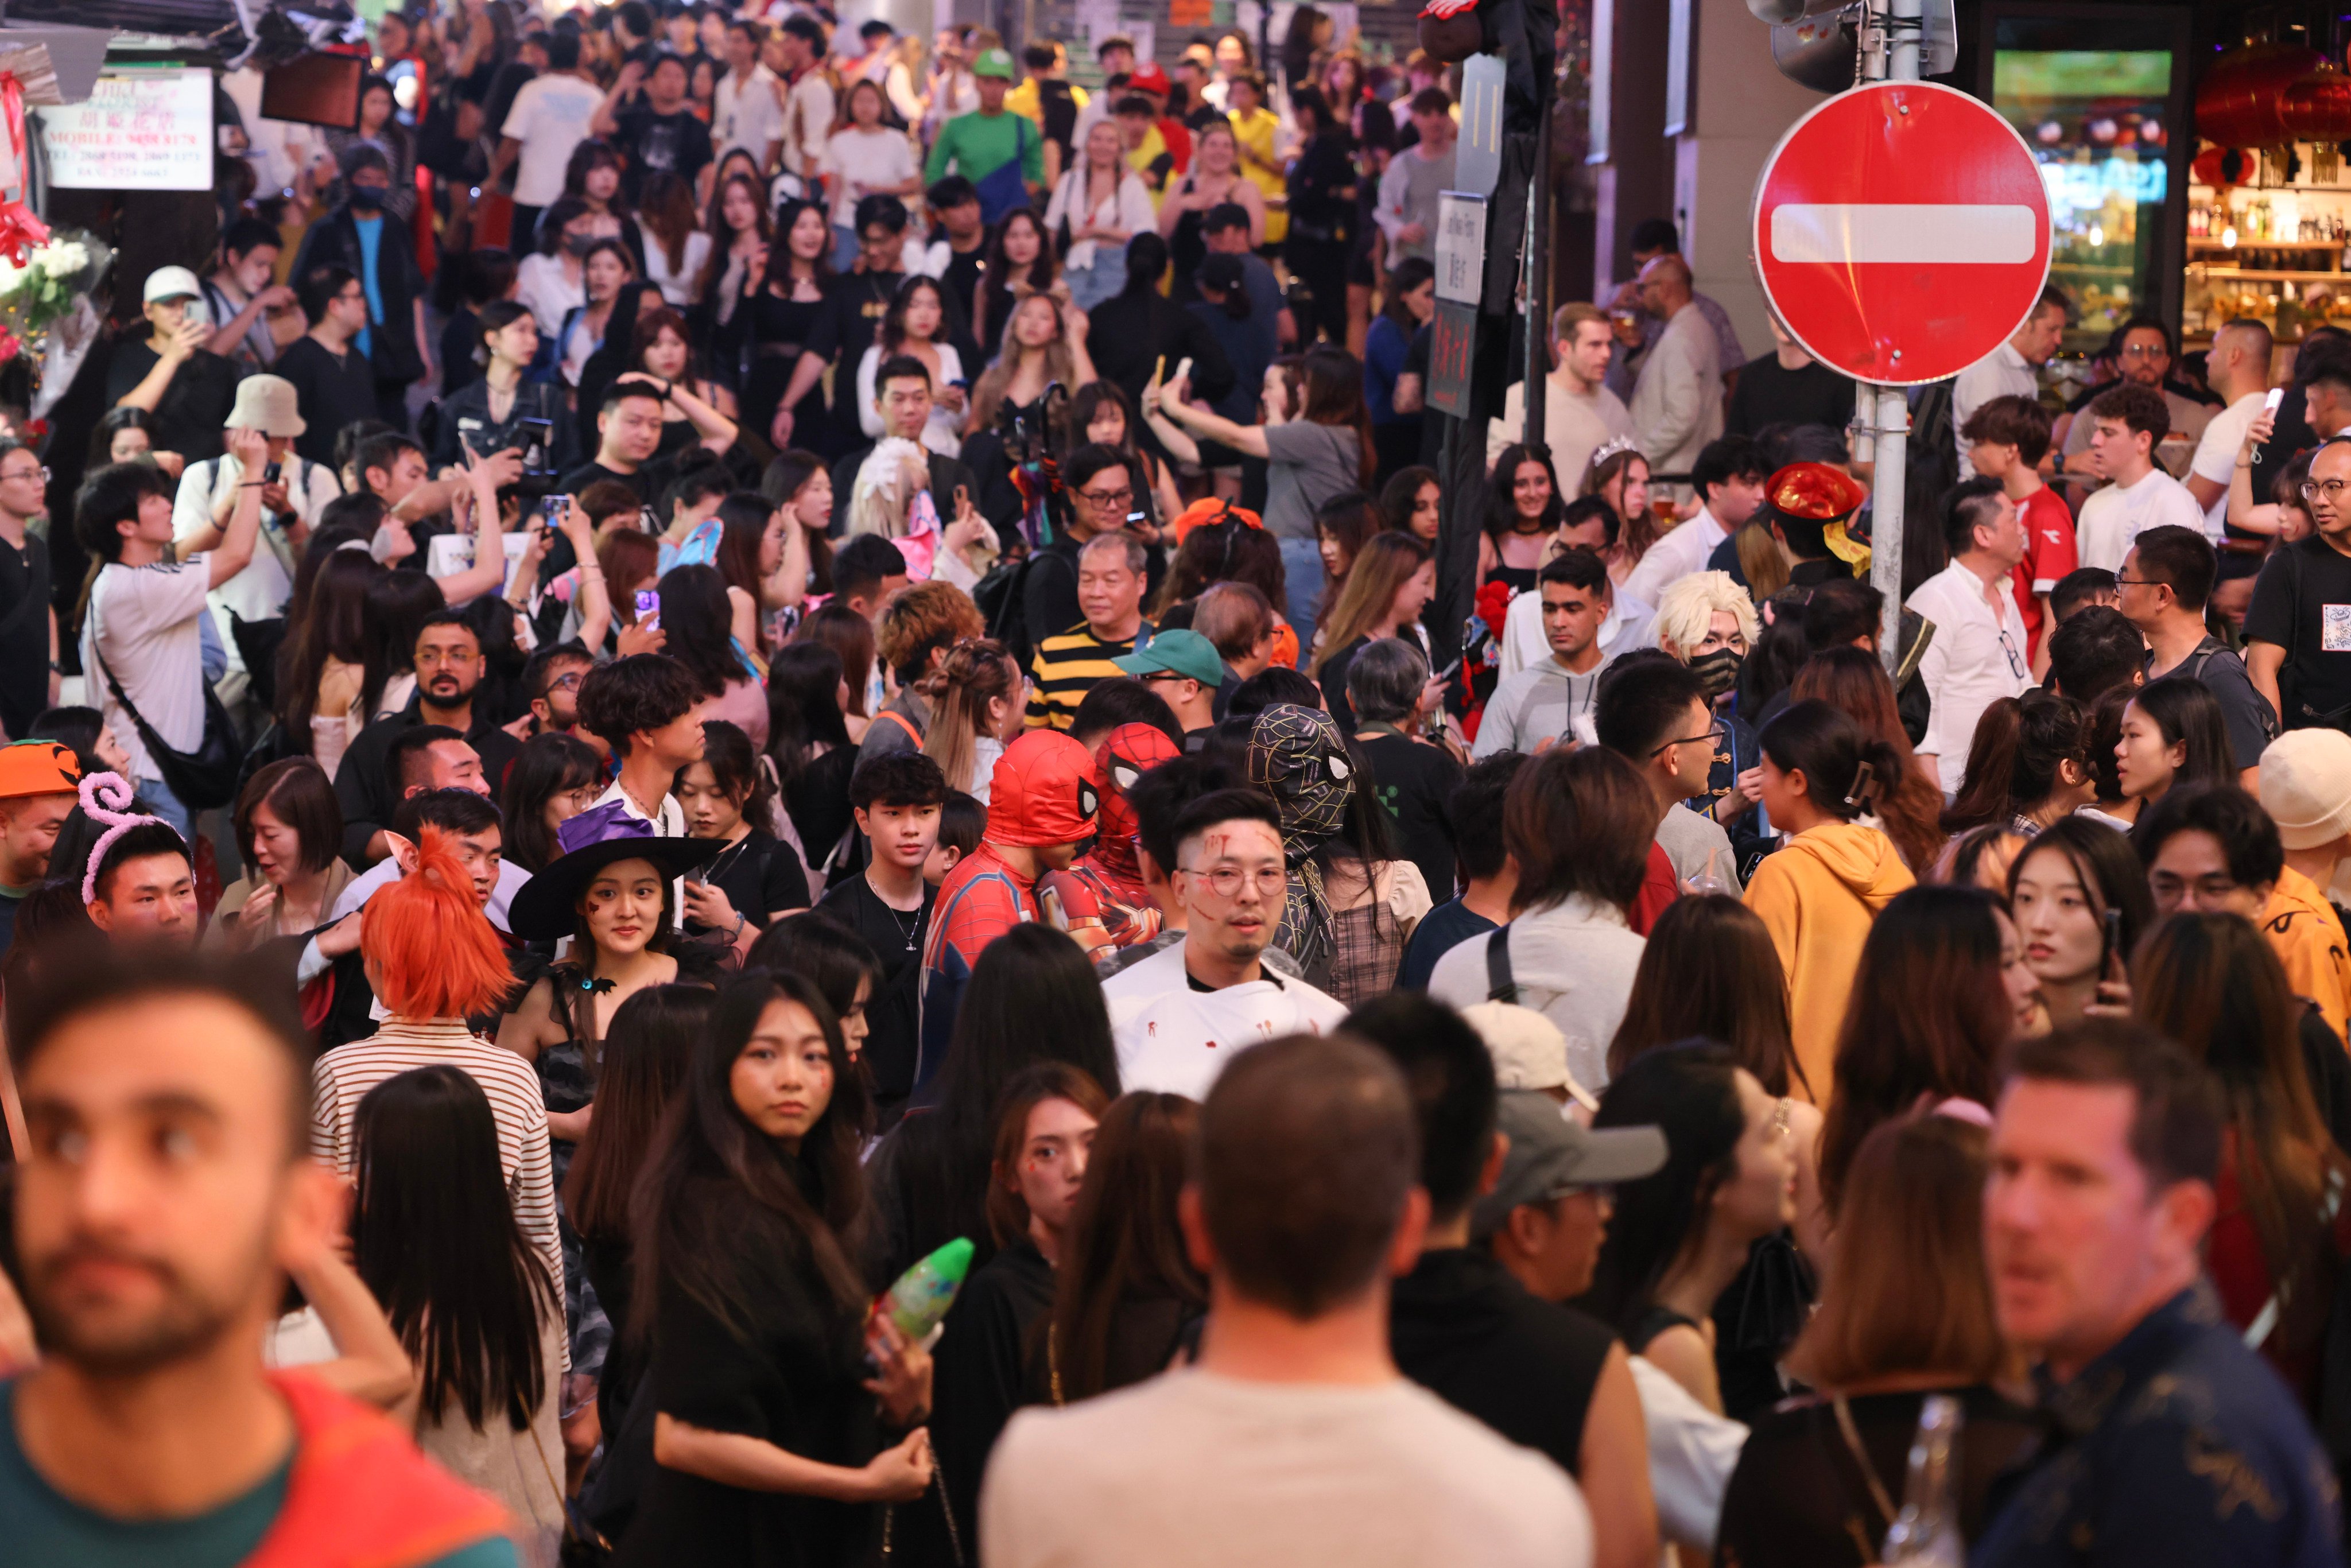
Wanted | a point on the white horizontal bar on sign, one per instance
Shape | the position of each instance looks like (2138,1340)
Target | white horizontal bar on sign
(1906,234)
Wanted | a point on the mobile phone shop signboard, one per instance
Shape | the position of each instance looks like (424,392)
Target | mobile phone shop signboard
(137,131)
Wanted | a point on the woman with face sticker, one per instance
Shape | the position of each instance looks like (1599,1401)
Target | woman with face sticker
(612,893)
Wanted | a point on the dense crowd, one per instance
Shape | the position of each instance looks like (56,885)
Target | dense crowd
(774,853)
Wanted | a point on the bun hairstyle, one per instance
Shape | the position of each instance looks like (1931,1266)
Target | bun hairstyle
(974,671)
(1848,771)
(432,954)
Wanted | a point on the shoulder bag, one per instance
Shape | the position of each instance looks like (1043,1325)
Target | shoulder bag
(205,778)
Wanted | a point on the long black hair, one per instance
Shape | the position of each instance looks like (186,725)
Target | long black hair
(1501,502)
(803,707)
(647,1053)
(435,1238)
(1033,997)
(719,1202)
(694,612)
(1689,1091)
(547,765)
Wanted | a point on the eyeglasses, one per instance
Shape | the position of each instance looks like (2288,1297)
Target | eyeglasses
(1713,736)
(2147,351)
(40,473)
(569,681)
(1108,497)
(2331,490)
(1225,881)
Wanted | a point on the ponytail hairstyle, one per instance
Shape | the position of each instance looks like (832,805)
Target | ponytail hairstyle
(2015,762)
(974,671)
(1853,683)
(429,951)
(1849,774)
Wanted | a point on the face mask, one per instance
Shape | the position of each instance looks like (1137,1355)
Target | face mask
(579,245)
(1718,670)
(366,198)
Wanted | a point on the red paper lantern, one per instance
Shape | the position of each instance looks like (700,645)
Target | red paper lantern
(2317,108)
(2240,102)
(2221,167)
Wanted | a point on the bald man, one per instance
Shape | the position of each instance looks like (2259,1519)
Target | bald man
(1677,402)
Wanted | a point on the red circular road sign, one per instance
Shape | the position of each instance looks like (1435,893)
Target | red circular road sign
(1901,231)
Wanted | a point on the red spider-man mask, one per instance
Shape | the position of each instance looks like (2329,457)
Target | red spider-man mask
(1046,790)
(1130,751)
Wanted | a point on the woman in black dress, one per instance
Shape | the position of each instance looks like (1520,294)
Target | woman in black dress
(810,748)
(1322,206)
(767,1433)
(1906,1312)
(727,796)
(789,327)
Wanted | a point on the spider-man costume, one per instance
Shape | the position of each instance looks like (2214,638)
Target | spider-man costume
(1046,792)
(1101,900)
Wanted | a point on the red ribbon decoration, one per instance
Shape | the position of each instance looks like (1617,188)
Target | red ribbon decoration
(20,230)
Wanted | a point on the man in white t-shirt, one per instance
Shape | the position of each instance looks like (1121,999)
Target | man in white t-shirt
(2131,421)
(290,505)
(745,110)
(1292,1438)
(795,51)
(2238,369)
(548,119)
(145,625)
(2011,369)
(1979,652)
(1180,1015)
(1579,414)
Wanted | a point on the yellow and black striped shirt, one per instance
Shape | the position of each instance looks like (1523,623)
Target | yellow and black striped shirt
(1067,667)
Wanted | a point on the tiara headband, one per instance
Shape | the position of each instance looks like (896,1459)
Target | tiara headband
(1612,448)
(106,798)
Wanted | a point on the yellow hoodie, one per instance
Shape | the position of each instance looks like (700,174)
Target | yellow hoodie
(1818,896)
(2308,938)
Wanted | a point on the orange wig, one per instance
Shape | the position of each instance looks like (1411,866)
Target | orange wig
(429,950)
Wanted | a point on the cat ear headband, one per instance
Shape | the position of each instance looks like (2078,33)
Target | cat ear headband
(107,797)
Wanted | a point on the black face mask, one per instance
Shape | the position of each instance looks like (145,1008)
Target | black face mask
(366,198)
(1718,670)
(579,245)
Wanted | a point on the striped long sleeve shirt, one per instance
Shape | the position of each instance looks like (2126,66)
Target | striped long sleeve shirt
(342,1077)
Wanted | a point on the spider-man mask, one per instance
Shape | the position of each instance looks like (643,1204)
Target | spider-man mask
(1046,790)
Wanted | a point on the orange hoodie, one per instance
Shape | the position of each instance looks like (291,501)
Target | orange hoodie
(1818,896)
(2307,937)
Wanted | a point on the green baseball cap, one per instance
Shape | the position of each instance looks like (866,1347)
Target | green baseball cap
(1182,653)
(993,63)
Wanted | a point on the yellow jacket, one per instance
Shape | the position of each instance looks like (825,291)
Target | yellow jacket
(1818,896)
(1256,138)
(2307,936)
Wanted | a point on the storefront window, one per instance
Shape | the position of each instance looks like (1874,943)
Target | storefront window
(2095,107)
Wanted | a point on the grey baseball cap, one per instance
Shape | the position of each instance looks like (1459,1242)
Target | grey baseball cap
(1550,1154)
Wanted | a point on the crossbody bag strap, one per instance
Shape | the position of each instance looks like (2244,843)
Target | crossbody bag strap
(2266,1321)
(1502,984)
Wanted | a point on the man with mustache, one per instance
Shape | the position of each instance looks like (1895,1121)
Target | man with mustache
(165,1193)
(448,671)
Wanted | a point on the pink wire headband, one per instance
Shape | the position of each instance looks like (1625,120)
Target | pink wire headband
(105,796)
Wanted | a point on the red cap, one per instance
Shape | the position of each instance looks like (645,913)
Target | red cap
(1046,790)
(1149,77)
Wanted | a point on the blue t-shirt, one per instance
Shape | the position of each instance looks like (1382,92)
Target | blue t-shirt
(1384,348)
(1440,931)
(44,1527)
(370,241)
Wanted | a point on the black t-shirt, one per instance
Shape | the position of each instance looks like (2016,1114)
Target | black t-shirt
(191,415)
(24,634)
(660,144)
(331,391)
(1462,1328)
(588,472)
(2245,711)
(1769,393)
(893,1017)
(758,875)
(962,276)
(858,301)
(1415,781)
(2302,603)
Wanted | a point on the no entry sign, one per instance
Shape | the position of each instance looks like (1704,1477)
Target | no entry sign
(1901,231)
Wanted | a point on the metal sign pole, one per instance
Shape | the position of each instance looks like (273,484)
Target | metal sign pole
(1890,406)
(1538,298)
